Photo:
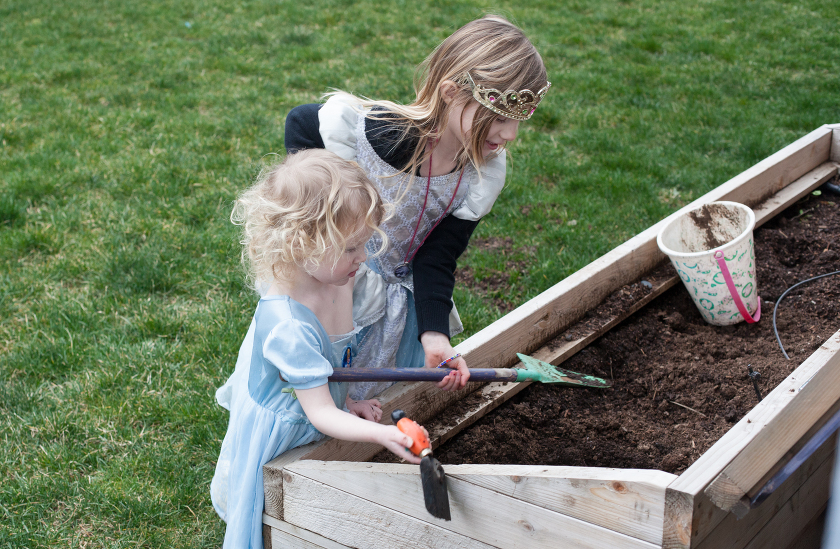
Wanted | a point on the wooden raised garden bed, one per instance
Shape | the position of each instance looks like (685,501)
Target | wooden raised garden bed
(328,494)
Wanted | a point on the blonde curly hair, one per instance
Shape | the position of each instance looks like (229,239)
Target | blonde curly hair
(303,210)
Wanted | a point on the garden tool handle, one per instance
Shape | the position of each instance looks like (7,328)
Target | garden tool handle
(421,445)
(419,374)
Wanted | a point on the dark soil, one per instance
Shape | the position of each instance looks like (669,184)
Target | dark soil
(705,220)
(679,383)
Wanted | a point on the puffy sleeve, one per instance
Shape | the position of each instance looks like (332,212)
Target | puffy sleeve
(483,193)
(294,348)
(337,125)
(301,130)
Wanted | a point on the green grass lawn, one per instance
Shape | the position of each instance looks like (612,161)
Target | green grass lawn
(126,129)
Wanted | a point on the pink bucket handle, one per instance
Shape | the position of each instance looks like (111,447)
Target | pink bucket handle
(734,291)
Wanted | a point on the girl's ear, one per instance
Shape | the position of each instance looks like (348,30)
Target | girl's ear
(448,91)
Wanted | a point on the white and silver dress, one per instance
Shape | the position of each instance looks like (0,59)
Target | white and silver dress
(382,302)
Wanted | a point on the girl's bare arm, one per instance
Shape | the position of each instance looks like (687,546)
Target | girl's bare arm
(322,412)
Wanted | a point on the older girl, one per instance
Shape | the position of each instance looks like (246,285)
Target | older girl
(441,161)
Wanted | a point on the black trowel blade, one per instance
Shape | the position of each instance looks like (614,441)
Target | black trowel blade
(434,488)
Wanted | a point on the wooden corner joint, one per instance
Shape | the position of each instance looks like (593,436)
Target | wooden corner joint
(678,524)
(728,496)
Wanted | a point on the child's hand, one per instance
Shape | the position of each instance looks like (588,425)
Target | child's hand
(437,349)
(370,410)
(398,443)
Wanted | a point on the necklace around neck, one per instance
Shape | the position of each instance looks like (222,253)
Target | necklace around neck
(402,270)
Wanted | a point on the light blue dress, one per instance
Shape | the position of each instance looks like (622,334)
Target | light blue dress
(286,349)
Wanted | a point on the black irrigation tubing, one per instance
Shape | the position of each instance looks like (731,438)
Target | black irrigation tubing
(779,301)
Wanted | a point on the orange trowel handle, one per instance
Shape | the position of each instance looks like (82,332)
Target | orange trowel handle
(412,429)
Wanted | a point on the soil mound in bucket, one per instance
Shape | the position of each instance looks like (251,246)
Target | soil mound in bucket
(710,231)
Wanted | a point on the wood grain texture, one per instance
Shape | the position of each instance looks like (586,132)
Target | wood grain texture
(733,533)
(629,501)
(678,521)
(726,494)
(273,477)
(807,503)
(793,192)
(477,513)
(812,535)
(794,450)
(834,155)
(284,540)
(625,500)
(284,535)
(808,400)
(360,523)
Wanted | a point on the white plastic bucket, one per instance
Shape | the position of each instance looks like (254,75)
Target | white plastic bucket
(691,242)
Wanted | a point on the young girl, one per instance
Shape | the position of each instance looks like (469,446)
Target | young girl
(441,161)
(304,226)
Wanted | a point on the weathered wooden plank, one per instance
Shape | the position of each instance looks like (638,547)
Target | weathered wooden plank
(273,477)
(284,540)
(733,533)
(359,523)
(629,501)
(808,502)
(283,535)
(477,512)
(688,515)
(835,143)
(792,453)
(811,536)
(681,510)
(777,434)
(793,192)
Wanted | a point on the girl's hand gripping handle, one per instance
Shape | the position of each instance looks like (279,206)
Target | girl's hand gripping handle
(421,447)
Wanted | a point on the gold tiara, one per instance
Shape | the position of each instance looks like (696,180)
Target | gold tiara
(519,105)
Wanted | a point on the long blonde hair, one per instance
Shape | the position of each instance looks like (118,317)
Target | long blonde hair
(300,210)
(496,53)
